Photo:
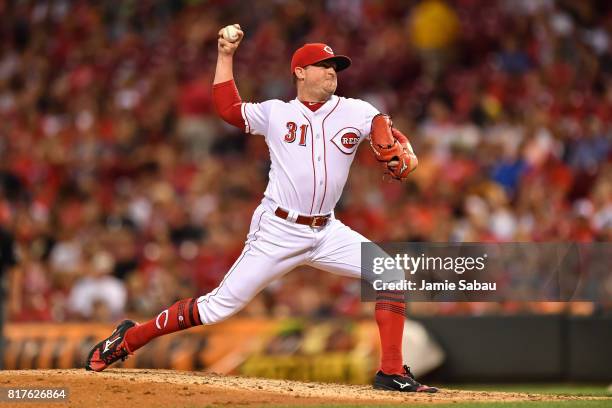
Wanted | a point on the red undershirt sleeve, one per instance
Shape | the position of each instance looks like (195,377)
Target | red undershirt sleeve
(227,103)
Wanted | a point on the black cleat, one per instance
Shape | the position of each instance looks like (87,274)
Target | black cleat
(110,350)
(401,383)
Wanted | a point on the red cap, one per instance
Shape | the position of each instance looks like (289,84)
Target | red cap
(312,53)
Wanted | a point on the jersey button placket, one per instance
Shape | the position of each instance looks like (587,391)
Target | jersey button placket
(319,165)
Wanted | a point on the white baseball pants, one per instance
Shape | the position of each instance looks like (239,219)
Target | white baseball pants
(275,246)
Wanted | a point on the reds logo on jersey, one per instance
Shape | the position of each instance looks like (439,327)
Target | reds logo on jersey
(347,139)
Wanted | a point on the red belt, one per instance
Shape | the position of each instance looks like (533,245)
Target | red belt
(314,221)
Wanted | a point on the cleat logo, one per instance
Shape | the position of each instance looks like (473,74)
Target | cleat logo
(109,343)
(165,314)
(402,385)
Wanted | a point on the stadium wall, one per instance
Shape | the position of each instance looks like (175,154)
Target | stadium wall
(484,348)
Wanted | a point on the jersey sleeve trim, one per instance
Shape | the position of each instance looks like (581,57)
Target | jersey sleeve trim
(247,125)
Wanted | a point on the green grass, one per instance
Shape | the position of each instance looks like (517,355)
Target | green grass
(564,404)
(593,390)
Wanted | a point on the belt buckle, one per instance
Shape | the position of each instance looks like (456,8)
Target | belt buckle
(314,221)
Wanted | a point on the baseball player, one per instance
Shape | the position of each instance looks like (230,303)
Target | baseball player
(312,141)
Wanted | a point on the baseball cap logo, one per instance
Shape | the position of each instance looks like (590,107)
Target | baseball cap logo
(312,53)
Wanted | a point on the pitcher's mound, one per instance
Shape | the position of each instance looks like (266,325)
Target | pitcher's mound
(120,388)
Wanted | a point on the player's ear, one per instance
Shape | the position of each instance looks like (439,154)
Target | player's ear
(299,73)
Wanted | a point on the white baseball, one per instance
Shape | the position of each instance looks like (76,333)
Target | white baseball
(230,33)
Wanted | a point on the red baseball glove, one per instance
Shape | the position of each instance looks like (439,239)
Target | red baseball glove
(392,147)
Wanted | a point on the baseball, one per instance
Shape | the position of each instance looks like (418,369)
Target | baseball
(230,33)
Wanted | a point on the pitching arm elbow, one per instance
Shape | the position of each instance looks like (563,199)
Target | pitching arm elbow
(227,103)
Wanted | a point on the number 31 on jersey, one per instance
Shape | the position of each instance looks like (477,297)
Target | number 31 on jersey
(292,133)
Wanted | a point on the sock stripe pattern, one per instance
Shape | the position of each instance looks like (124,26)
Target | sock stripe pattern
(391,308)
(193,305)
(390,299)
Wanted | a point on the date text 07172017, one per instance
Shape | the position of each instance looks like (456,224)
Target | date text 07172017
(25,394)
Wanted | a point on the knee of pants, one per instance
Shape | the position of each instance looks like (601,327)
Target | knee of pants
(214,308)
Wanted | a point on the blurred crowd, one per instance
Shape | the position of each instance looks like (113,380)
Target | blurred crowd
(123,192)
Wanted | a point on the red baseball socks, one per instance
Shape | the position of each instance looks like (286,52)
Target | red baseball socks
(390,314)
(180,316)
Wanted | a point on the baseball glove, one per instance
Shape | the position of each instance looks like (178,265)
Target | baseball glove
(392,147)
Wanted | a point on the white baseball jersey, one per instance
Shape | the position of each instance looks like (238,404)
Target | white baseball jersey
(311,152)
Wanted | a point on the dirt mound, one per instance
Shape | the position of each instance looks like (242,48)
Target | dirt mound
(120,388)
